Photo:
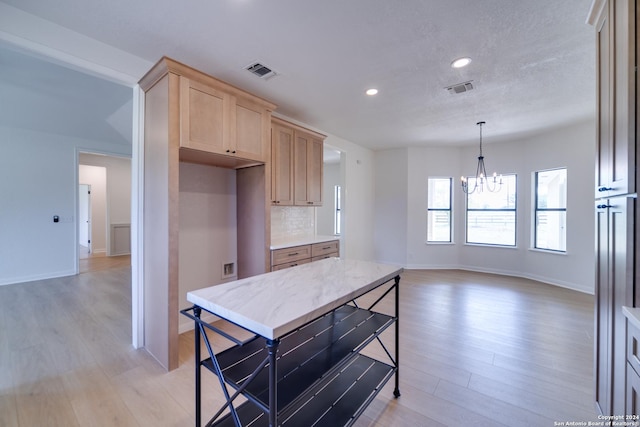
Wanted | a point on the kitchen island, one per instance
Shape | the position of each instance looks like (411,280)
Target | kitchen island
(303,364)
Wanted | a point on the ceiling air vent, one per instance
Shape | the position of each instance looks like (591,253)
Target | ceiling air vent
(260,70)
(460,87)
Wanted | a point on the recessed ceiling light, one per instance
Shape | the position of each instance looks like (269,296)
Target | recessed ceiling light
(461,62)
(371,92)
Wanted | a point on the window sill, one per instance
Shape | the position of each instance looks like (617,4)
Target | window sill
(488,245)
(439,243)
(548,251)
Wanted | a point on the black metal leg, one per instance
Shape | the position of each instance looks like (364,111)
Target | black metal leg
(196,312)
(396,391)
(272,346)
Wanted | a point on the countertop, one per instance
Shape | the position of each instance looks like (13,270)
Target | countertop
(273,304)
(633,314)
(298,241)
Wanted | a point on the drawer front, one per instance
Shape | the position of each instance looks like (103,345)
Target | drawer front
(289,255)
(318,258)
(325,248)
(633,346)
(290,264)
(633,392)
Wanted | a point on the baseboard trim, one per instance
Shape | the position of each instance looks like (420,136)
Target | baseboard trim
(33,278)
(549,281)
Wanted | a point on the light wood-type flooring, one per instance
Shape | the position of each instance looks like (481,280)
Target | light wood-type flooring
(476,350)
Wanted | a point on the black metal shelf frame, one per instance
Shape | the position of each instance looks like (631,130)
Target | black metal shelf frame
(314,375)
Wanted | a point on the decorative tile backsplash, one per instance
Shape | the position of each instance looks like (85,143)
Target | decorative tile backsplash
(292,221)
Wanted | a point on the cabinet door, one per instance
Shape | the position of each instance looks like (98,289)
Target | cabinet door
(633,393)
(251,129)
(204,117)
(300,147)
(614,289)
(314,171)
(616,51)
(281,166)
(308,165)
(603,314)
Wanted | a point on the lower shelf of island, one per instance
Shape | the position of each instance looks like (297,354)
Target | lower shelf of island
(321,377)
(355,386)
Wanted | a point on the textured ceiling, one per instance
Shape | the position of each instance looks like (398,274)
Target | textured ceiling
(533,61)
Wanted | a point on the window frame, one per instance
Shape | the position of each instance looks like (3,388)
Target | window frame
(337,213)
(536,209)
(514,210)
(449,210)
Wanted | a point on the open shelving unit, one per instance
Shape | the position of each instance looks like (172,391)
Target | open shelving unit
(313,375)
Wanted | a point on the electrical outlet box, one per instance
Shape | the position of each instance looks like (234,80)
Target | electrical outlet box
(228,270)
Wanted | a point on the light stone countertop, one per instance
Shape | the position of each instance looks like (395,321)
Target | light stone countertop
(273,304)
(298,241)
(633,314)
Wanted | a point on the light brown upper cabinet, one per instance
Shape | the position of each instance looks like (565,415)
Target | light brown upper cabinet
(214,120)
(307,169)
(297,164)
(281,165)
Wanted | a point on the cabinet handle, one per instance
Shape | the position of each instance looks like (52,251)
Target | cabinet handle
(228,151)
(233,152)
(326,247)
(603,189)
(604,206)
(293,254)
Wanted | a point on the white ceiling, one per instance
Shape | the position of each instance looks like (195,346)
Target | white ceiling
(47,97)
(533,61)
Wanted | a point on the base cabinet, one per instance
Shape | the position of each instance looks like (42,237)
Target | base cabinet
(614,289)
(296,255)
(632,408)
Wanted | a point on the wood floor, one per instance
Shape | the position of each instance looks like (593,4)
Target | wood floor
(476,350)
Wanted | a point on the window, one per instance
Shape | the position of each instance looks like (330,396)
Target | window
(491,217)
(337,216)
(550,230)
(439,210)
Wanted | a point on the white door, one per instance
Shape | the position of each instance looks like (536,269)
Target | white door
(84,216)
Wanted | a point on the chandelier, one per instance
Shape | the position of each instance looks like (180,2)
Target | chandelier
(481,181)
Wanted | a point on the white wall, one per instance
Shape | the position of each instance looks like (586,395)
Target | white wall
(38,179)
(208,229)
(572,147)
(390,206)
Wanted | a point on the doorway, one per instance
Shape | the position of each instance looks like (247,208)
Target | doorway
(84,220)
(329,216)
(108,211)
